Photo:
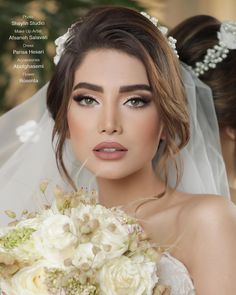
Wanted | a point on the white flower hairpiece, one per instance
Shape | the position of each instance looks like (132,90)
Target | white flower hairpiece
(227,42)
(60,46)
(60,42)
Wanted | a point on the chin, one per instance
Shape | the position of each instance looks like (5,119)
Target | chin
(110,173)
(114,170)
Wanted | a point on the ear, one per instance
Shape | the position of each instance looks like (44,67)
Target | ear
(230,133)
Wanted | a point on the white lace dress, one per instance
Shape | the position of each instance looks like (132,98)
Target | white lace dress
(173,273)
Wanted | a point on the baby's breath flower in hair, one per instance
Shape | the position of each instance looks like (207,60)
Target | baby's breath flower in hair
(164,30)
(60,41)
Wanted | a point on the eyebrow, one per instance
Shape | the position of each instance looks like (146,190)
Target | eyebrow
(130,88)
(122,89)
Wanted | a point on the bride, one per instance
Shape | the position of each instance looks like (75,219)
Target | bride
(118,105)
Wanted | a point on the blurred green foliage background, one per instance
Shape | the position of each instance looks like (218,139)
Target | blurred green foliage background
(58,16)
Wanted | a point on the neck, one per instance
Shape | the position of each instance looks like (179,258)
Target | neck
(120,192)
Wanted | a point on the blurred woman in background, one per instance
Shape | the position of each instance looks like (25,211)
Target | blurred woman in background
(208,47)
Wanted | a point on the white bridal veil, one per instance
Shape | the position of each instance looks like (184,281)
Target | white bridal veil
(27,156)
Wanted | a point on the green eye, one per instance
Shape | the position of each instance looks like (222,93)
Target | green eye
(85,100)
(137,102)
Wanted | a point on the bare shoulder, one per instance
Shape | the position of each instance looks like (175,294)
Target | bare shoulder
(210,210)
(208,218)
(209,242)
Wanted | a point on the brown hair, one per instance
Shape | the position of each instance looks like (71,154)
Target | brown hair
(128,31)
(194,37)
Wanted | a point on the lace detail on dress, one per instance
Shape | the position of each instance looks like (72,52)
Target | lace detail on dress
(173,273)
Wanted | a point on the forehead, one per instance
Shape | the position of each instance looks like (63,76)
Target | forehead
(102,66)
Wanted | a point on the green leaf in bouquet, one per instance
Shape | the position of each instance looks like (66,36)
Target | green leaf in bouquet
(16,237)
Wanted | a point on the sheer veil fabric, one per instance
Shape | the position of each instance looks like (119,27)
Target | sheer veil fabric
(204,168)
(27,154)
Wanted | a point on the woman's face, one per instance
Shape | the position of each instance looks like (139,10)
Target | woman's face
(113,122)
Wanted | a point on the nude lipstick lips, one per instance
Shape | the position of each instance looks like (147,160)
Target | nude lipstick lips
(109,151)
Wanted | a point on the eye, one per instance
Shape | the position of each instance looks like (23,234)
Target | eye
(137,102)
(84,100)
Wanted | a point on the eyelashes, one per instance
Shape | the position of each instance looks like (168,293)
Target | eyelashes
(85,100)
(132,102)
(138,102)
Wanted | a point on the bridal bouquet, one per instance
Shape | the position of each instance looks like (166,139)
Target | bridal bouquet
(77,246)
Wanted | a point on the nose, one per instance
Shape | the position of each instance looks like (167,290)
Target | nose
(110,121)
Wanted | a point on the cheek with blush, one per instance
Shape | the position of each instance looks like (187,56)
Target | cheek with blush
(148,133)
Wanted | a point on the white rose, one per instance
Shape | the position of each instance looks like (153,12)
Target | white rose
(24,249)
(27,252)
(112,244)
(30,280)
(125,276)
(83,254)
(104,237)
(112,233)
(56,239)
